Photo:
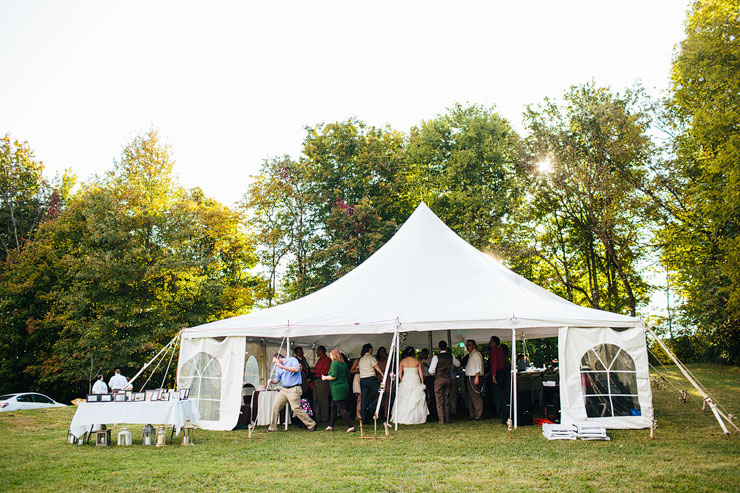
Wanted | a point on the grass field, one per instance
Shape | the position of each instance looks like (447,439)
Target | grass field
(688,454)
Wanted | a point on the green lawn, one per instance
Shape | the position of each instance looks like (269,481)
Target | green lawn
(689,453)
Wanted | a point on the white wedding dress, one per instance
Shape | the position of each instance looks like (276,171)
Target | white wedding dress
(411,406)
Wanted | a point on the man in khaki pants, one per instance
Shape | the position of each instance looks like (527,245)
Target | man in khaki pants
(289,374)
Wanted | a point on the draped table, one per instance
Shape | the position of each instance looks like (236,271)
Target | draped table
(172,413)
(265,401)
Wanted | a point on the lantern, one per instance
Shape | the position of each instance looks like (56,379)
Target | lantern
(124,436)
(102,438)
(187,431)
(161,436)
(147,435)
(70,437)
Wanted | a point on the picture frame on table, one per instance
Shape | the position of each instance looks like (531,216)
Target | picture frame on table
(174,395)
(151,395)
(106,397)
(129,395)
(119,397)
(184,394)
(164,396)
(93,397)
(139,396)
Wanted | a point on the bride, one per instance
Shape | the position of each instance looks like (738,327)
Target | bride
(411,407)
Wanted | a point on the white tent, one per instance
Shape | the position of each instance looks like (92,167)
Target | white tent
(427,279)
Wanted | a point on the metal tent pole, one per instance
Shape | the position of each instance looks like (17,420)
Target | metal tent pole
(287,407)
(385,375)
(514,403)
(398,357)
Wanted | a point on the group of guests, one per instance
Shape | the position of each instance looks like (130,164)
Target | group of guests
(337,386)
(117,383)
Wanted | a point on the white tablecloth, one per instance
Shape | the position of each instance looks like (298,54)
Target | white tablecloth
(141,412)
(266,399)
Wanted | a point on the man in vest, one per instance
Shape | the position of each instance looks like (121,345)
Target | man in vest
(440,367)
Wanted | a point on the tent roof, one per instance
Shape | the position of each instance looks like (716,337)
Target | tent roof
(426,278)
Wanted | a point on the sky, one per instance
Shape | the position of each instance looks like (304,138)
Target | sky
(229,84)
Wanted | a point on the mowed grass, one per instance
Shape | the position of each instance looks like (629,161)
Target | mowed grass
(689,453)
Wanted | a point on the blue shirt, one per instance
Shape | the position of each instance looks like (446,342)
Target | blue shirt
(289,378)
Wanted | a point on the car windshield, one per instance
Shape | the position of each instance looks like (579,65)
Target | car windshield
(6,397)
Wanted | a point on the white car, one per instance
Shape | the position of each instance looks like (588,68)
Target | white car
(27,400)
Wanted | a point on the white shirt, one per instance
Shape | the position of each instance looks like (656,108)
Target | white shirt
(99,387)
(475,364)
(117,382)
(366,366)
(435,360)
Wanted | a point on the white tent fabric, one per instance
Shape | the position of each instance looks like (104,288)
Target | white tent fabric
(573,345)
(424,280)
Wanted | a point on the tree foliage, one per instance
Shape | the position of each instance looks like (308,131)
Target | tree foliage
(581,230)
(700,238)
(131,260)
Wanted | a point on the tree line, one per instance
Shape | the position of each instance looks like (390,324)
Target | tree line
(600,188)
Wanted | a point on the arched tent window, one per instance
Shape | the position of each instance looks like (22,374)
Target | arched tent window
(252,371)
(609,382)
(202,375)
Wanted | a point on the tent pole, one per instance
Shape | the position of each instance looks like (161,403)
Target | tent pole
(707,399)
(264,362)
(151,360)
(385,375)
(398,357)
(514,393)
(430,344)
(449,340)
(287,407)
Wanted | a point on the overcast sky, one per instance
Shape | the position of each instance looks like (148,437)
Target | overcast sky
(230,84)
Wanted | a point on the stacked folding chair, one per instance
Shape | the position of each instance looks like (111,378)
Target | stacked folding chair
(553,431)
(589,430)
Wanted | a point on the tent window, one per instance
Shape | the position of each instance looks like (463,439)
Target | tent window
(609,382)
(202,375)
(252,371)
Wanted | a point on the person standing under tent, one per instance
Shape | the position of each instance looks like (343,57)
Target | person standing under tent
(288,372)
(441,367)
(99,387)
(521,363)
(305,374)
(367,365)
(473,372)
(117,382)
(338,379)
(428,380)
(411,407)
(321,390)
(498,376)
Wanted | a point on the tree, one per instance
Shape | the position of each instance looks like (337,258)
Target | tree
(355,180)
(581,231)
(26,198)
(700,236)
(464,165)
(131,260)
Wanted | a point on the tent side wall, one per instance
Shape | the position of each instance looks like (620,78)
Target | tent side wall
(213,370)
(604,377)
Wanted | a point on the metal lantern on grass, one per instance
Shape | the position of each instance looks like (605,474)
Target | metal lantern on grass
(161,436)
(187,431)
(147,435)
(71,438)
(124,436)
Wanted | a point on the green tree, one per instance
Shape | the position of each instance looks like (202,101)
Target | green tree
(464,165)
(131,260)
(355,180)
(581,232)
(701,240)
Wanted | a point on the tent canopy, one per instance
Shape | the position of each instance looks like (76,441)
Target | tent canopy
(425,278)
